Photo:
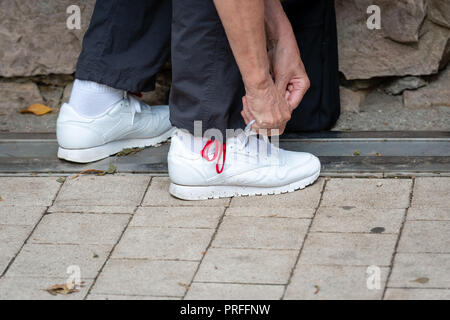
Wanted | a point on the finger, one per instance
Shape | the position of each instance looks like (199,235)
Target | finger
(298,89)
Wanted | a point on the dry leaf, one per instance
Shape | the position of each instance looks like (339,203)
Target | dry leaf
(317,289)
(1,199)
(421,280)
(60,180)
(357,153)
(129,152)
(378,154)
(181,284)
(88,171)
(63,289)
(37,109)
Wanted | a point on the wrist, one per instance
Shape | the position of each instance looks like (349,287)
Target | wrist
(258,83)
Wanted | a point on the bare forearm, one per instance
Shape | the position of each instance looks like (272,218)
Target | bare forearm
(277,23)
(244,25)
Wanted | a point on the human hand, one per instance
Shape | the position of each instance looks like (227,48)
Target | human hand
(267,107)
(288,70)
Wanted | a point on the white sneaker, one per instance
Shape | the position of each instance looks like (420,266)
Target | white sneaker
(244,170)
(128,124)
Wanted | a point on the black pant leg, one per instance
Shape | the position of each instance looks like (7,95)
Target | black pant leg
(206,82)
(314,24)
(126,43)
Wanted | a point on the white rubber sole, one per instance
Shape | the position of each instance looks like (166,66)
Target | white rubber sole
(106,150)
(216,192)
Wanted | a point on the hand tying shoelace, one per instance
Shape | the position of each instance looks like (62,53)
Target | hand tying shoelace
(221,151)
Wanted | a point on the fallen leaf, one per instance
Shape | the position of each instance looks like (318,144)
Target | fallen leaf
(111,170)
(98,172)
(129,152)
(37,109)
(378,154)
(63,289)
(422,280)
(377,230)
(1,199)
(357,153)
(181,284)
(60,180)
(272,215)
(95,256)
(317,289)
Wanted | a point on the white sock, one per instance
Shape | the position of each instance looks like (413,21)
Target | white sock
(91,99)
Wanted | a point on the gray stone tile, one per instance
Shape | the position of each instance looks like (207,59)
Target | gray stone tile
(57,208)
(262,233)
(43,260)
(247,266)
(367,193)
(10,234)
(425,236)
(348,249)
(145,278)
(420,270)
(20,216)
(117,190)
(8,251)
(179,217)
(75,228)
(432,192)
(306,198)
(158,196)
(362,220)
(311,282)
(417,294)
(280,212)
(230,291)
(163,243)
(34,288)
(35,192)
(417,213)
(126,298)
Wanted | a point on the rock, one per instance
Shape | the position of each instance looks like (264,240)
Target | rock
(67,92)
(407,83)
(18,96)
(436,94)
(52,95)
(351,100)
(439,12)
(365,54)
(402,19)
(35,40)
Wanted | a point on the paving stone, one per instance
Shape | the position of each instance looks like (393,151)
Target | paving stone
(20,216)
(261,233)
(145,278)
(431,193)
(417,294)
(270,212)
(179,217)
(33,288)
(230,291)
(348,249)
(425,236)
(9,234)
(428,214)
(158,196)
(367,193)
(117,190)
(75,228)
(247,266)
(311,282)
(420,270)
(306,198)
(351,219)
(126,298)
(7,252)
(163,243)
(35,192)
(57,208)
(38,260)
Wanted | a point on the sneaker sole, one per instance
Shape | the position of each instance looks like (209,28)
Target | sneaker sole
(216,192)
(109,149)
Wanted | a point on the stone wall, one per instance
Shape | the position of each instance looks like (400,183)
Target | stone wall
(414,41)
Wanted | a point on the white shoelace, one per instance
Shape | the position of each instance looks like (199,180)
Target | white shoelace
(135,105)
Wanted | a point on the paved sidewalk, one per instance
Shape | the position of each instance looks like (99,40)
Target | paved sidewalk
(131,240)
